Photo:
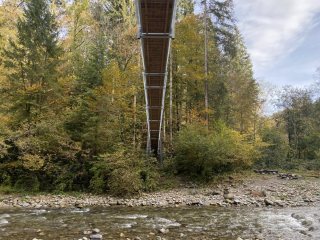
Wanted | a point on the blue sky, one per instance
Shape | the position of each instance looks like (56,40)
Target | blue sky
(283,39)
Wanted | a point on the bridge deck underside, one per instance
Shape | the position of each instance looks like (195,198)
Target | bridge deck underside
(156,22)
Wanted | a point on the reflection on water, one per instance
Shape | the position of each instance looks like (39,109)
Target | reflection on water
(183,223)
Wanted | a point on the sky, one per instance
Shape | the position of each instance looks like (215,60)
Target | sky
(283,39)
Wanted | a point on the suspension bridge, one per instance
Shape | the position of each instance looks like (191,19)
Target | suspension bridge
(156,29)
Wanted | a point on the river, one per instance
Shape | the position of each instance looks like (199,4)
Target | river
(145,222)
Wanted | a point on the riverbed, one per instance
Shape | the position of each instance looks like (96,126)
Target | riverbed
(161,223)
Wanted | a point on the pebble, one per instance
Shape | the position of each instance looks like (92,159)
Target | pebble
(163,230)
(228,196)
(268,202)
(78,205)
(279,193)
(303,232)
(311,228)
(306,223)
(296,216)
(95,237)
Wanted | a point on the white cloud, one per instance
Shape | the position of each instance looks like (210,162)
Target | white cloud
(274,28)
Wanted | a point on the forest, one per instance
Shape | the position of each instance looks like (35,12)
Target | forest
(72,106)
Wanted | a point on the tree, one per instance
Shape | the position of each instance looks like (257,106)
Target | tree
(224,22)
(33,62)
(297,109)
(275,153)
(185,7)
(206,84)
(243,91)
(188,74)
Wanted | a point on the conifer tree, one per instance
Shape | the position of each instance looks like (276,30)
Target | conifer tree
(33,61)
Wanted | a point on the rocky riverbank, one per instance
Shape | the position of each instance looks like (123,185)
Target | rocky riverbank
(261,191)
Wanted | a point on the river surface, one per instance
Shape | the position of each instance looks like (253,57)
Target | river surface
(183,223)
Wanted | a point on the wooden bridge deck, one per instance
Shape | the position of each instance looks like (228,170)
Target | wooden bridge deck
(156,19)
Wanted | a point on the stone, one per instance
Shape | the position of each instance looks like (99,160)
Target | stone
(303,232)
(259,237)
(163,230)
(306,223)
(158,238)
(24,204)
(311,228)
(237,202)
(197,203)
(239,238)
(215,193)
(137,238)
(95,230)
(95,237)
(87,232)
(228,196)
(268,202)
(296,216)
(122,235)
(279,203)
(258,193)
(78,205)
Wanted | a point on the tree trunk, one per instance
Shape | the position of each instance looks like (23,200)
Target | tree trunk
(170,102)
(134,119)
(206,64)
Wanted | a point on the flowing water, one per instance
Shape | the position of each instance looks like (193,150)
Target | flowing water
(182,223)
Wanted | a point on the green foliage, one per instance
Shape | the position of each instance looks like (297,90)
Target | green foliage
(275,153)
(300,120)
(203,153)
(33,60)
(185,7)
(124,173)
(27,183)
(71,97)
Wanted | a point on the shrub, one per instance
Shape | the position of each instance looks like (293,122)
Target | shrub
(125,182)
(124,172)
(28,183)
(202,153)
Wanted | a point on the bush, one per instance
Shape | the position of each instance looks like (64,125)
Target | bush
(28,183)
(125,172)
(125,182)
(202,153)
